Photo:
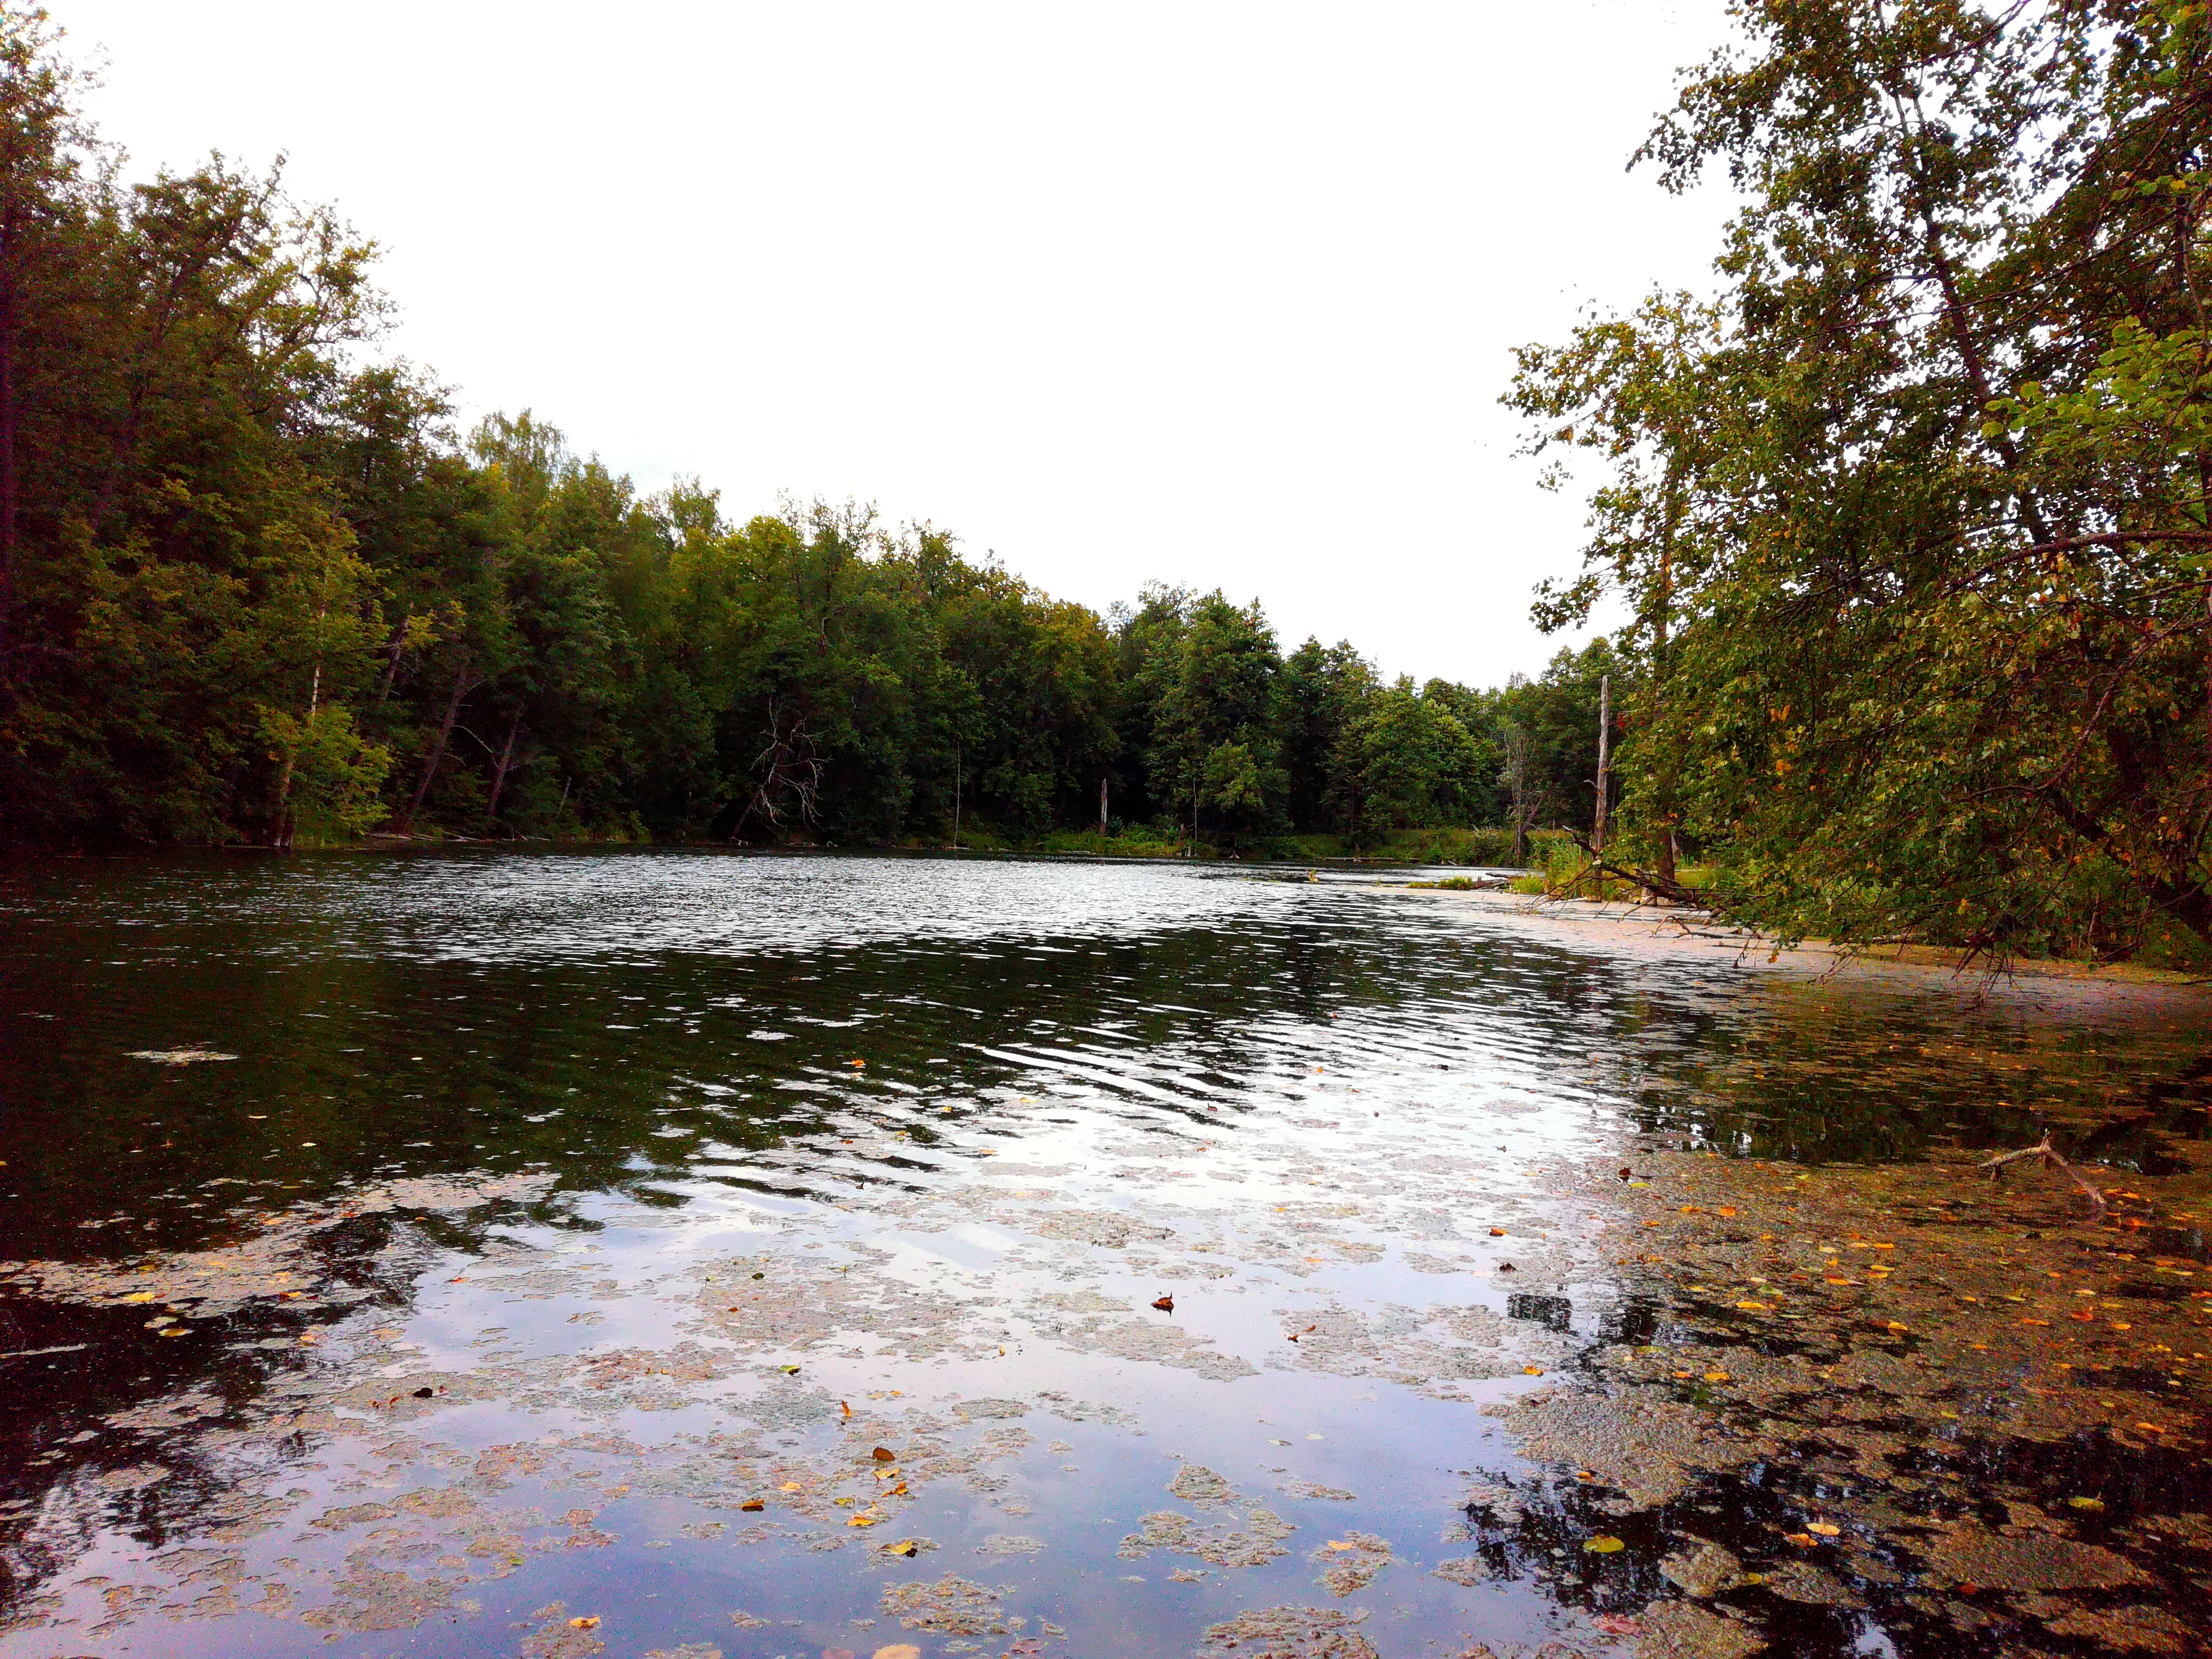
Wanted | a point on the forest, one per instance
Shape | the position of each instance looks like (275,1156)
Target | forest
(255,588)
(1907,520)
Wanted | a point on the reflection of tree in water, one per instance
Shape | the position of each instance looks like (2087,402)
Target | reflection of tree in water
(170,1440)
(1876,1079)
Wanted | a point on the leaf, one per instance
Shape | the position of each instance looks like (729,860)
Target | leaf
(1754,1307)
(752,1505)
(862,1520)
(884,1455)
(1717,1377)
(1618,1624)
(900,1547)
(2095,1505)
(1604,1544)
(790,1486)
(1532,1371)
(586,1621)
(788,1370)
(139,1296)
(898,1650)
(1800,1538)
(1823,1528)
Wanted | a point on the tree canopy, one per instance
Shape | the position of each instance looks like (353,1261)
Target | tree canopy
(256,587)
(1910,520)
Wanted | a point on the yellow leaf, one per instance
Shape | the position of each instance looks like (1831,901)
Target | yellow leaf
(1717,1377)
(1752,1307)
(790,1486)
(589,1621)
(862,1520)
(139,1296)
(1823,1528)
(1532,1371)
(1604,1544)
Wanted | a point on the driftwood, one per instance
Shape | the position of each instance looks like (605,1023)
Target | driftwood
(1650,881)
(2044,1149)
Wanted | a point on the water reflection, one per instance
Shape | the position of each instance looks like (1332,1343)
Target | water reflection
(592,1148)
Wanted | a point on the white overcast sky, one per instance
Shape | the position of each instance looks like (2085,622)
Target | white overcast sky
(1215,294)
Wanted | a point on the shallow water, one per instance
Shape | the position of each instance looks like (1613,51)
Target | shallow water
(552,1209)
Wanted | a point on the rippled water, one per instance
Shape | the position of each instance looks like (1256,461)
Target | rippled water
(684,1182)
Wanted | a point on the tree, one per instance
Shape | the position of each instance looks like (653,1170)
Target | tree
(1939,668)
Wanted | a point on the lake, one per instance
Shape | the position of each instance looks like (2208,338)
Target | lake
(679,1252)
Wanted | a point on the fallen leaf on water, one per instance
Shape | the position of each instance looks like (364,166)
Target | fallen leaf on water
(2122,1325)
(884,1455)
(1717,1377)
(1165,1304)
(752,1505)
(1823,1528)
(1805,1538)
(845,1408)
(790,1486)
(1532,1371)
(1604,1544)
(898,1650)
(588,1621)
(788,1370)
(900,1547)
(862,1520)
(2152,1428)
(1753,1307)
(139,1296)
(1724,1209)
(1497,1232)
(2095,1505)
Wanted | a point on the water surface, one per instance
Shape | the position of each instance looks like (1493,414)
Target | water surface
(598,1236)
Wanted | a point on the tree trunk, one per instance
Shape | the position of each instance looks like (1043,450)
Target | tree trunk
(1604,755)
(499,771)
(437,756)
(1102,805)
(8,442)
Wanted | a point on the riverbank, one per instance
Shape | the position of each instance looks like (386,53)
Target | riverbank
(2123,991)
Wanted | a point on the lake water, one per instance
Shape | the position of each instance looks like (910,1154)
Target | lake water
(673,1252)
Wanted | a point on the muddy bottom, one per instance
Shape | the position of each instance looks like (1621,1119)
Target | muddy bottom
(675,1255)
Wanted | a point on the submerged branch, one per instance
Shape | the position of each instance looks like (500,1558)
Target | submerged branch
(2049,1154)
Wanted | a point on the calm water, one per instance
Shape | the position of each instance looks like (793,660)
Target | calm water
(678,1182)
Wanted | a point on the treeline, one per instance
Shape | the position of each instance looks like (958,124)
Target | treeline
(1911,517)
(254,588)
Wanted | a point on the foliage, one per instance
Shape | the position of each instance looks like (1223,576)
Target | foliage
(254,586)
(1912,524)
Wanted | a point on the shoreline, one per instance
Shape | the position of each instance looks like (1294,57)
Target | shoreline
(2048,986)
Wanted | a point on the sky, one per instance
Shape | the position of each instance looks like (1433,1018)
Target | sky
(1220,294)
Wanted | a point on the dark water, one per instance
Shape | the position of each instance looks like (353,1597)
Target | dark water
(596,1148)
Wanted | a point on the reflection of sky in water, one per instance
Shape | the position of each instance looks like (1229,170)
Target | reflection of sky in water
(1313,1105)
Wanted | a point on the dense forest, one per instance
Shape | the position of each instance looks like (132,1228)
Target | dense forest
(255,588)
(1908,518)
